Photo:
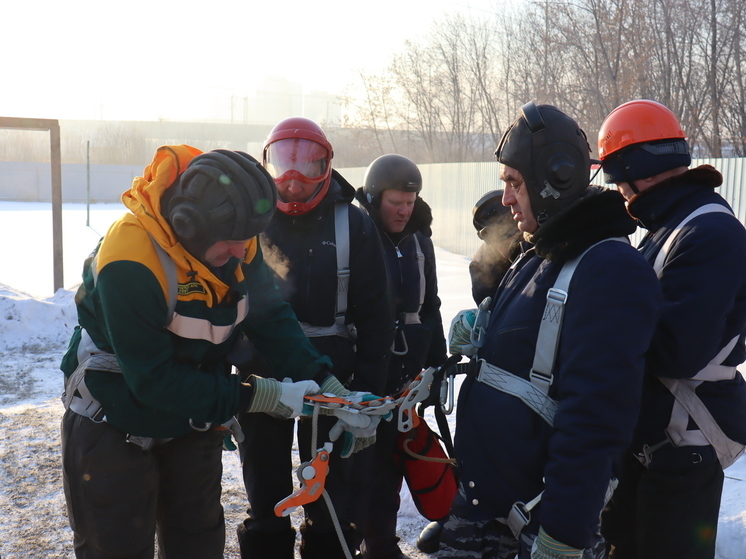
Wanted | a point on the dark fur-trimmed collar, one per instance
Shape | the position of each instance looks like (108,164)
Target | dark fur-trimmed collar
(653,205)
(598,215)
(421,220)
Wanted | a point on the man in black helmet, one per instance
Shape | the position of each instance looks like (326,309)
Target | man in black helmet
(495,226)
(390,194)
(164,298)
(551,399)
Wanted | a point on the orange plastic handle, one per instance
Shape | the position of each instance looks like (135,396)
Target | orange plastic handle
(312,477)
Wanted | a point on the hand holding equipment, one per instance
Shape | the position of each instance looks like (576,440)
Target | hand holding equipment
(283,399)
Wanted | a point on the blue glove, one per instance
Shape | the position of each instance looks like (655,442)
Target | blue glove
(546,547)
(459,337)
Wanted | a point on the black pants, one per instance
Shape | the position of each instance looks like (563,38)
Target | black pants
(118,495)
(667,513)
(377,487)
(266,458)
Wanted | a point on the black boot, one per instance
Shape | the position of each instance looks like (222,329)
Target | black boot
(255,544)
(429,540)
(316,544)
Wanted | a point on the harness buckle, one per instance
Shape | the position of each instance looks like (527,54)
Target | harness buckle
(518,518)
(646,456)
(557,296)
(542,380)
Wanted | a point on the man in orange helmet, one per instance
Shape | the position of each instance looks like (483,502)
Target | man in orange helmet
(330,267)
(693,417)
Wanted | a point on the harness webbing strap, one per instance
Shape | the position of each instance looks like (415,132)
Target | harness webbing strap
(728,450)
(547,341)
(520,515)
(660,259)
(412,317)
(169,268)
(687,404)
(77,397)
(530,394)
(342,242)
(336,329)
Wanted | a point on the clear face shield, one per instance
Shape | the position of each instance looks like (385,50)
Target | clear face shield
(298,159)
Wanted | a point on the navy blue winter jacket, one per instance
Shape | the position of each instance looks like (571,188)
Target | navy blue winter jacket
(301,249)
(704,307)
(508,453)
(426,343)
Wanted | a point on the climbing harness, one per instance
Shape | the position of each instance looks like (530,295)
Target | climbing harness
(78,398)
(410,317)
(342,244)
(686,402)
(535,391)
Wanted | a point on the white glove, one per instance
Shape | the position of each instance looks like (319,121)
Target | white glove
(233,428)
(283,399)
(358,430)
(460,334)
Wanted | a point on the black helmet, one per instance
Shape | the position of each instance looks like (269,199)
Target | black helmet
(492,220)
(488,209)
(221,196)
(391,172)
(552,153)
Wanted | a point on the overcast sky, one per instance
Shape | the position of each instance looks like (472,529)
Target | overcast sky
(150,59)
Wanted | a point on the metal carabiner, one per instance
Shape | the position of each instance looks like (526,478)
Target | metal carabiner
(201,428)
(404,341)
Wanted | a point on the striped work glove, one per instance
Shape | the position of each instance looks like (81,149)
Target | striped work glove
(546,547)
(282,399)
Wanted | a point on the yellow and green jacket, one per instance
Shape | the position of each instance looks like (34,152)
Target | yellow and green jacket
(173,365)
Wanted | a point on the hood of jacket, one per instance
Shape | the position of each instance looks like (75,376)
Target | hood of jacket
(143,199)
(654,205)
(421,219)
(599,214)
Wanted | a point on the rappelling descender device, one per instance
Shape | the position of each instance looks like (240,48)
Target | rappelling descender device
(312,474)
(312,477)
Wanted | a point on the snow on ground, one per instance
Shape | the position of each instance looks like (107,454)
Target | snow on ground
(34,329)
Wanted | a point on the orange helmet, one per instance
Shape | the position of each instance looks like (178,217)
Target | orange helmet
(637,122)
(297,148)
(641,139)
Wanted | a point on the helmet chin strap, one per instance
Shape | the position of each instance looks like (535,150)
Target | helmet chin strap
(625,174)
(631,184)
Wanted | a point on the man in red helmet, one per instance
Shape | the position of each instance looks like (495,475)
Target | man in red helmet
(330,267)
(692,422)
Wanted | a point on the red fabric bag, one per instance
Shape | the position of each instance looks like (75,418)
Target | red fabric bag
(430,474)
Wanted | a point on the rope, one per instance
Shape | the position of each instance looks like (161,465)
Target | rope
(337,527)
(325,494)
(416,456)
